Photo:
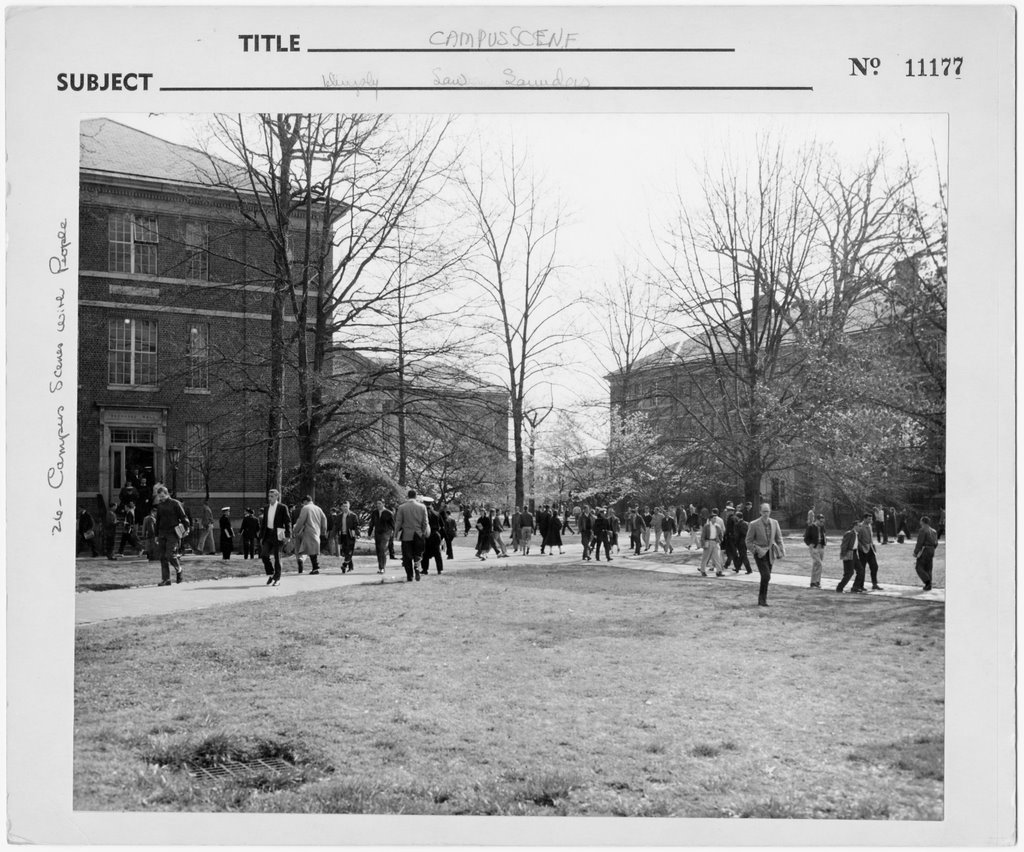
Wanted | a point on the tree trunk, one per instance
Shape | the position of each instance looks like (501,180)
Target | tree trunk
(517,443)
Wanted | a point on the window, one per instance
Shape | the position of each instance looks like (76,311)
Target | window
(197,455)
(197,355)
(132,243)
(197,246)
(131,435)
(131,352)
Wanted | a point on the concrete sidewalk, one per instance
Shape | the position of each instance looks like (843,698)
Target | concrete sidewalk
(94,607)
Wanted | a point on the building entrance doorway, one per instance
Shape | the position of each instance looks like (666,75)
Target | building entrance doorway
(132,465)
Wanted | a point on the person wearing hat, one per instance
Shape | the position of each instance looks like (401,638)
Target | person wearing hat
(814,538)
(227,537)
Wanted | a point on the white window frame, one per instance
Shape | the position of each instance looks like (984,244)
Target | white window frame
(133,244)
(128,336)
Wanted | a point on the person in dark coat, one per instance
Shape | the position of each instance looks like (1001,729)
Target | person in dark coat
(227,537)
(740,530)
(483,539)
(601,532)
(109,531)
(543,518)
(432,550)
(450,529)
(850,557)
(381,527)
(250,533)
(466,515)
(348,531)
(553,536)
(86,533)
(585,523)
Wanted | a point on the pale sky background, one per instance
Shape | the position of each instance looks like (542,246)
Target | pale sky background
(617,176)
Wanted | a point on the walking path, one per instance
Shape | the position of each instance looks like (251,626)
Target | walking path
(94,607)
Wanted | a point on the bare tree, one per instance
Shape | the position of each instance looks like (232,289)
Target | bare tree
(767,278)
(516,272)
(627,311)
(330,195)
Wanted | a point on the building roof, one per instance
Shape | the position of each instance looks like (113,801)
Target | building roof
(114,148)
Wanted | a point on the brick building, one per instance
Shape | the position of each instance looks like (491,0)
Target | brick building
(174,313)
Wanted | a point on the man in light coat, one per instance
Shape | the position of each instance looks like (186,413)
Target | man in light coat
(764,537)
(412,529)
(309,527)
(711,535)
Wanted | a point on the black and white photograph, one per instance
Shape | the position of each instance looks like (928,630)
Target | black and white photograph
(579,460)
(333,355)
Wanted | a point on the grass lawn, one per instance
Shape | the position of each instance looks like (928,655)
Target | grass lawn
(564,690)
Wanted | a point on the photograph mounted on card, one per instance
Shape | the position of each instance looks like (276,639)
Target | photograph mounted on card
(603,355)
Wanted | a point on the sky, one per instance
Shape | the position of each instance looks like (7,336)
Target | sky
(620,177)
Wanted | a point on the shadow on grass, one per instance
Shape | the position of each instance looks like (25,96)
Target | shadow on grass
(102,587)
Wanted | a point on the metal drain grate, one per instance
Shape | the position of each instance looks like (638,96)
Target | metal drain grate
(240,769)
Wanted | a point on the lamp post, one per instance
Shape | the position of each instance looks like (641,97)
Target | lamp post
(173,454)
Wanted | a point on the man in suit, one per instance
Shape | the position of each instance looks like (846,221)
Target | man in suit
(852,567)
(348,532)
(382,527)
(412,528)
(275,529)
(764,537)
(866,549)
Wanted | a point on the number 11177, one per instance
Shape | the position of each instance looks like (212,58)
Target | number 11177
(948,66)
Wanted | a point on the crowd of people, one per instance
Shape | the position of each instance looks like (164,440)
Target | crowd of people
(426,532)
